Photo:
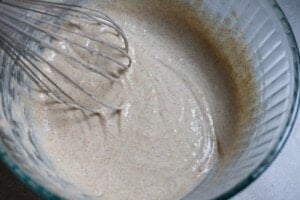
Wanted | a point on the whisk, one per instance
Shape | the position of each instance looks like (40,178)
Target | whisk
(30,27)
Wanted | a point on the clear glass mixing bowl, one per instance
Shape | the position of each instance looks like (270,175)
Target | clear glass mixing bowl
(272,50)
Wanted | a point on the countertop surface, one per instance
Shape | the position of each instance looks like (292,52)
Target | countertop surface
(281,181)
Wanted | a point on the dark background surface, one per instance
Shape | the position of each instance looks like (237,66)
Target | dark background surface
(12,189)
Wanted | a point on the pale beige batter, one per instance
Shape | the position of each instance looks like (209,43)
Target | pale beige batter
(175,100)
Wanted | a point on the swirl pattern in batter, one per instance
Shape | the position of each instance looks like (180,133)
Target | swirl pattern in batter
(163,143)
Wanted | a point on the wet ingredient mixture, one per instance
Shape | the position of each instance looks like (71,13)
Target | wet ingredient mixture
(175,100)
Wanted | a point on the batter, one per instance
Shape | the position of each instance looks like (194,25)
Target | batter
(176,101)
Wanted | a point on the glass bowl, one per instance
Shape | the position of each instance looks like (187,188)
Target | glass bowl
(272,49)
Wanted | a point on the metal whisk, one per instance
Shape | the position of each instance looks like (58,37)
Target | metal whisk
(30,27)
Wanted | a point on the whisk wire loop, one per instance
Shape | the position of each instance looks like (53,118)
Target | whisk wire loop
(30,27)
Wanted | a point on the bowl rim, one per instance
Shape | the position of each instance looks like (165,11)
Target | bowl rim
(268,160)
(45,193)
